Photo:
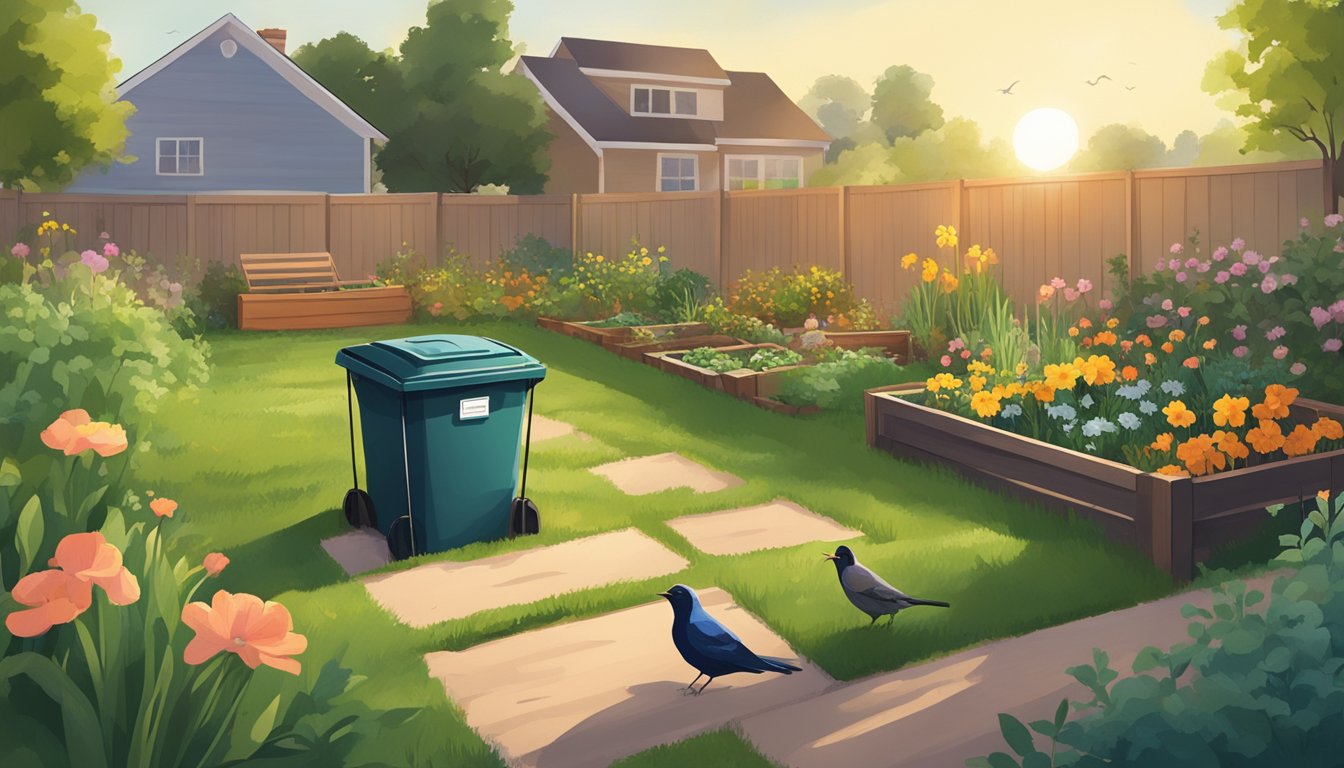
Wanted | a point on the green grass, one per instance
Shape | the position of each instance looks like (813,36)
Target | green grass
(259,462)
(716,749)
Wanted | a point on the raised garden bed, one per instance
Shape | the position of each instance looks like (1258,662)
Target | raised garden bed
(896,344)
(617,334)
(738,383)
(1175,521)
(637,350)
(329,309)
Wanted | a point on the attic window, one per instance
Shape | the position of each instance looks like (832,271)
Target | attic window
(647,100)
(180,157)
(228,48)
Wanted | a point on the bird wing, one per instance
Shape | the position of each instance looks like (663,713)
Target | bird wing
(717,642)
(857,578)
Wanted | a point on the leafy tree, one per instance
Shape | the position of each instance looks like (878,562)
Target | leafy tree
(901,103)
(955,151)
(1117,147)
(454,120)
(1287,80)
(1183,150)
(1225,145)
(58,107)
(838,103)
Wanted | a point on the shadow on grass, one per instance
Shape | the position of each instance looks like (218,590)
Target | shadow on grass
(258,566)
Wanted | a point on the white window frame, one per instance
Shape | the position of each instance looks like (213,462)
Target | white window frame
(760,170)
(695,169)
(671,101)
(158,153)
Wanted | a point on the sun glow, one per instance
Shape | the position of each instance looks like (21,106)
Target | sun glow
(1045,138)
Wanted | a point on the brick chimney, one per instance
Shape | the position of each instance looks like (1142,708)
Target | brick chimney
(276,37)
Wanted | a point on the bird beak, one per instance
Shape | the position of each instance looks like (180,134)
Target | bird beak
(664,594)
(829,556)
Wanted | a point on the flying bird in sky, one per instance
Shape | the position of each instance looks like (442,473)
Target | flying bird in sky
(1098,80)
(1129,87)
(1009,90)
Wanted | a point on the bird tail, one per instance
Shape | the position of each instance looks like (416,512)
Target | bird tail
(780,665)
(934,603)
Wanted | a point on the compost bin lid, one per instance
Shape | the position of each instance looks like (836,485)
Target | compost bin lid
(440,361)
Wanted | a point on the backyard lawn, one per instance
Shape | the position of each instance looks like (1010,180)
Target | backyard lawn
(258,461)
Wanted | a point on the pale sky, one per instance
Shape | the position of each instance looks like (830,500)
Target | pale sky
(970,47)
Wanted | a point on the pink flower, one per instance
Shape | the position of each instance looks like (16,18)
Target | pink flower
(104,236)
(946,360)
(1275,333)
(1333,220)
(19,251)
(965,354)
(110,250)
(1268,284)
(1220,253)
(1241,351)
(1239,333)
(1237,269)
(1288,279)
(94,261)
(1303,223)
(1337,311)
(1202,267)
(955,344)
(1174,264)
(1177,248)
(1191,263)
(1297,369)
(1264,267)
(1156,321)
(1181,277)
(1167,305)
(1161,265)
(1250,258)
(1280,352)
(1071,295)
(1105,305)
(1332,345)
(1320,316)
(1222,277)
(1238,244)
(1183,311)
(1057,283)
(1084,285)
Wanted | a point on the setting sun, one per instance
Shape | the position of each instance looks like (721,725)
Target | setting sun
(1045,138)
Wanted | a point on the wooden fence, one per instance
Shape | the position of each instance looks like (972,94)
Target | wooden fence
(1041,227)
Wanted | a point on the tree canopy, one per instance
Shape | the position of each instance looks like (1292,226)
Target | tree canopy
(902,106)
(58,107)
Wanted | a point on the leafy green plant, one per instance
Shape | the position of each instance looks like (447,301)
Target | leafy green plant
(217,294)
(623,320)
(1265,687)
(787,298)
(765,359)
(746,327)
(712,359)
(839,383)
(537,256)
(681,295)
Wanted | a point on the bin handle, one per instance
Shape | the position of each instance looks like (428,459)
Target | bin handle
(350,414)
(527,446)
(406,473)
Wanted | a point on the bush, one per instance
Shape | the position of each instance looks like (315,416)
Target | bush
(746,327)
(839,383)
(681,296)
(787,298)
(1256,686)
(217,295)
(536,255)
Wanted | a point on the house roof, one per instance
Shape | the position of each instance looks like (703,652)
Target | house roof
(632,58)
(755,108)
(282,64)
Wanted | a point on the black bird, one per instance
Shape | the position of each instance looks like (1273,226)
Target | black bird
(868,592)
(1129,87)
(1098,80)
(709,646)
(1009,90)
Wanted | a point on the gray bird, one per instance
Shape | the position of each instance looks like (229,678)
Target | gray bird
(1098,80)
(868,592)
(1009,90)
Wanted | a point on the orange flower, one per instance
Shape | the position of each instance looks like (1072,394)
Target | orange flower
(1210,343)
(73,433)
(1230,444)
(1229,411)
(1191,362)
(259,632)
(1176,335)
(1277,400)
(1265,438)
(1178,415)
(1200,456)
(163,507)
(1173,470)
(1167,347)
(1328,428)
(1073,332)
(1083,322)
(1105,337)
(1301,442)
(1126,345)
(1143,339)
(1044,393)
(1203,319)
(1129,373)
(54,597)
(214,563)
(93,561)
(1149,358)
(1163,442)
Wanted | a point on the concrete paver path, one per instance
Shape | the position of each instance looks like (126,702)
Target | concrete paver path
(358,551)
(428,594)
(662,472)
(592,691)
(544,428)
(780,523)
(937,715)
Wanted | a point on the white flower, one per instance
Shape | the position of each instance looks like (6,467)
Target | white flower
(1086,402)
(1010,411)
(1128,420)
(1062,412)
(1173,387)
(1068,426)
(1096,426)
(1148,408)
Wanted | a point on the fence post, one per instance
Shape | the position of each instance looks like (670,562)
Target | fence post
(718,239)
(843,205)
(574,224)
(1130,221)
(191,230)
(959,211)
(724,213)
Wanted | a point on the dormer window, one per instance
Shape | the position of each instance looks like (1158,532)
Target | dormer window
(647,100)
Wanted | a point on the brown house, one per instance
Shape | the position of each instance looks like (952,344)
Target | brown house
(629,117)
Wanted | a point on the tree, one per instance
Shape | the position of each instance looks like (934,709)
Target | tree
(58,102)
(954,151)
(454,120)
(838,103)
(1184,149)
(1117,147)
(1225,145)
(1288,81)
(901,103)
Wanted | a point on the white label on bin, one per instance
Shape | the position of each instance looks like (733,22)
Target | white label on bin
(474,408)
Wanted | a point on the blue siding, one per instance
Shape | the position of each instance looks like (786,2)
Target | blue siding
(260,132)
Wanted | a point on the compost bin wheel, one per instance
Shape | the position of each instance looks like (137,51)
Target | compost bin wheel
(399,538)
(524,519)
(359,509)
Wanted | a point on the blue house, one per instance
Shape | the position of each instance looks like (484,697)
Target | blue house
(227,110)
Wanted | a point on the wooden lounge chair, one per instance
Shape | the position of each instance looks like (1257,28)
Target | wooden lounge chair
(296,291)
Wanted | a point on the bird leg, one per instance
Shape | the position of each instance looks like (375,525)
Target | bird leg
(703,687)
(874,621)
(691,687)
(890,618)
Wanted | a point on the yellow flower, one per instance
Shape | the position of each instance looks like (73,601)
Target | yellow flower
(1178,415)
(1073,332)
(599,258)
(985,404)
(977,382)
(1021,369)
(646,261)
(643,251)
(930,270)
(662,249)
(1230,411)
(947,236)
(1096,369)
(1061,376)
(1113,322)
(1176,335)
(908,260)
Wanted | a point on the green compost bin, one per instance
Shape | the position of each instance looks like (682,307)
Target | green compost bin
(462,401)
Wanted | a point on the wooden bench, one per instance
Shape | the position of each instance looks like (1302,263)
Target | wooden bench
(297,291)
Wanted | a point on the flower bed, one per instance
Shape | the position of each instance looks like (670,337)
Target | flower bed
(637,350)
(611,335)
(738,381)
(1175,520)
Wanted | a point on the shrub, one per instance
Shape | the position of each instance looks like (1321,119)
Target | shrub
(1257,685)
(217,295)
(746,327)
(536,255)
(839,382)
(787,298)
(607,287)
(681,296)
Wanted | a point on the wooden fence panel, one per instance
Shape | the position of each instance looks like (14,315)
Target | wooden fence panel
(782,228)
(682,222)
(364,230)
(152,225)
(9,219)
(484,226)
(885,223)
(225,226)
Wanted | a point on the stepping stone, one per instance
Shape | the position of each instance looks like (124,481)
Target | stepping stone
(549,429)
(778,524)
(946,711)
(436,592)
(358,551)
(593,691)
(664,471)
